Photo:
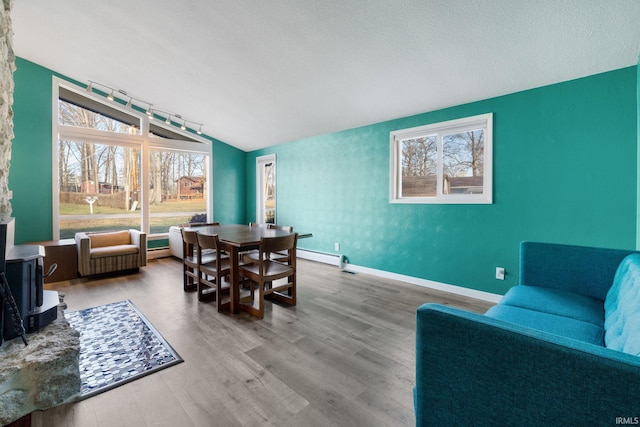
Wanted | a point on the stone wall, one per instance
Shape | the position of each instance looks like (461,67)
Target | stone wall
(41,375)
(7,67)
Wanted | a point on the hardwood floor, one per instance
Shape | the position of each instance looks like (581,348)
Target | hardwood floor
(344,356)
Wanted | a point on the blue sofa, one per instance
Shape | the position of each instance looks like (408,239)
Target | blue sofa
(561,348)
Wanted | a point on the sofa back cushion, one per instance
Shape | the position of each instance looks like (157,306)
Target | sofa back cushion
(622,308)
(114,238)
(581,270)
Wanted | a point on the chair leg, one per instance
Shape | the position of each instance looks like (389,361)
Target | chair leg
(189,283)
(202,287)
(285,293)
(261,300)
(219,291)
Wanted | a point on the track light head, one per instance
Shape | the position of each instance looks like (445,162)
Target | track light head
(184,125)
(110,96)
(200,130)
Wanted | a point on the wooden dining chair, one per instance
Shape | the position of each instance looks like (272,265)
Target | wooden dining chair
(203,224)
(211,273)
(280,256)
(252,256)
(264,273)
(190,252)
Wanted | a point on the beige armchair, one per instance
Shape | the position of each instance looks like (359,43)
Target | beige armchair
(104,252)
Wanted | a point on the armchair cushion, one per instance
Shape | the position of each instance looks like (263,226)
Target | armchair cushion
(113,251)
(113,238)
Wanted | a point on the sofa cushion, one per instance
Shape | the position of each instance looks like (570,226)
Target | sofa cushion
(622,308)
(113,238)
(551,323)
(109,251)
(558,302)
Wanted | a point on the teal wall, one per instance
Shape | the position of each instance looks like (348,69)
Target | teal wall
(638,154)
(30,172)
(30,176)
(565,170)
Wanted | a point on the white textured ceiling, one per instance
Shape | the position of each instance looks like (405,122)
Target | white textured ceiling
(259,73)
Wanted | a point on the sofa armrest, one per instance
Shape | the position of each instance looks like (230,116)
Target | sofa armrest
(139,239)
(83,247)
(471,369)
(579,269)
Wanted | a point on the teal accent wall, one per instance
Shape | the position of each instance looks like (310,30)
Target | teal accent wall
(638,153)
(565,170)
(30,175)
(30,172)
(229,183)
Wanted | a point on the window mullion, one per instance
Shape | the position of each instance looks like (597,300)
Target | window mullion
(440,170)
(144,178)
(398,167)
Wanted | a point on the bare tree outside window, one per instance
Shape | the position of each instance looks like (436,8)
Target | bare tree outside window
(463,162)
(420,166)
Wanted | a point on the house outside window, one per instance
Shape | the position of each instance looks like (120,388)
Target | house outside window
(448,162)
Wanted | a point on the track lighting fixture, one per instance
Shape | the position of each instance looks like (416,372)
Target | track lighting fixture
(134,103)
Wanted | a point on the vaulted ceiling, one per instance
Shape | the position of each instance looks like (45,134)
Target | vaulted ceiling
(260,73)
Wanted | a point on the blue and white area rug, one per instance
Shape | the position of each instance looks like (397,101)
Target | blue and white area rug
(117,345)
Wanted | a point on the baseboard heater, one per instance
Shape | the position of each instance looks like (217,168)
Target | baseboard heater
(324,257)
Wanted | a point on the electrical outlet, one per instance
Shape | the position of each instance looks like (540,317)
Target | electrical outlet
(336,246)
(500,273)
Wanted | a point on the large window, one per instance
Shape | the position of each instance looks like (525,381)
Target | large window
(448,162)
(117,169)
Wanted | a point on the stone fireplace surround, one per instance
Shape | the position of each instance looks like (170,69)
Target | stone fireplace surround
(41,375)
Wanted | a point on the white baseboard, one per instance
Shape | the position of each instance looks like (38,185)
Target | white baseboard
(458,290)
(323,257)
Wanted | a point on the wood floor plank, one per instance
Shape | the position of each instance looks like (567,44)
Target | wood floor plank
(345,355)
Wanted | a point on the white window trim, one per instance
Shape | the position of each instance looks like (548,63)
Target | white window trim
(143,140)
(451,126)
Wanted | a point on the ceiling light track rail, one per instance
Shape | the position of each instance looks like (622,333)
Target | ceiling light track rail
(153,113)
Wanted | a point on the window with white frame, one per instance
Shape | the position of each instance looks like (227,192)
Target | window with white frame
(115,168)
(447,162)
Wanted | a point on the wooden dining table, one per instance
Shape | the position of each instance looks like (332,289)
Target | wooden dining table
(237,238)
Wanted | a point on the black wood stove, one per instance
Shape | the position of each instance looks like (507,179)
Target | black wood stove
(23,268)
